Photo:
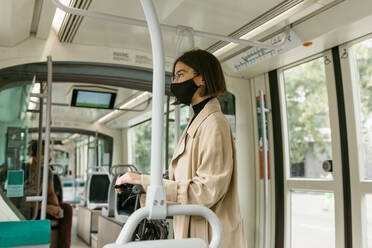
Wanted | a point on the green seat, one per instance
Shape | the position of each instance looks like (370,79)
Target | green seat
(24,233)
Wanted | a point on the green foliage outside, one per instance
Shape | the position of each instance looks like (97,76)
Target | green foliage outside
(307,110)
(307,107)
(142,146)
(363,54)
(142,141)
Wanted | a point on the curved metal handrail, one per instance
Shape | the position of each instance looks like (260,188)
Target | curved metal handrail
(175,210)
(114,167)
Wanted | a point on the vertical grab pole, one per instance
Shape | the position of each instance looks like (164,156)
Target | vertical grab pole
(177,124)
(177,108)
(265,169)
(167,135)
(47,139)
(155,197)
(39,148)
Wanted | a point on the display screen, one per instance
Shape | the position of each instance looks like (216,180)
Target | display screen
(93,99)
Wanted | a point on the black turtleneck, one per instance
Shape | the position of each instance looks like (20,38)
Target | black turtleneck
(198,107)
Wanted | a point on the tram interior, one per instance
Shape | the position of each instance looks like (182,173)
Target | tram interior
(318,196)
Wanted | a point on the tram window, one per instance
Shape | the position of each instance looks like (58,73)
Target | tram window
(140,140)
(171,137)
(14,121)
(369,220)
(308,119)
(312,219)
(184,114)
(363,55)
(140,136)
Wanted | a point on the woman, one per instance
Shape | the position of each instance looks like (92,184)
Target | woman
(55,209)
(203,169)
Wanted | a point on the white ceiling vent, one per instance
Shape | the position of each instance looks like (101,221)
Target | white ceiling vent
(71,23)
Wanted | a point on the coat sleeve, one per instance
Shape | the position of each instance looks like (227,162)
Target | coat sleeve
(214,169)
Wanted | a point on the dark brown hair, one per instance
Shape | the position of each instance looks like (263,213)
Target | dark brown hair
(33,147)
(208,66)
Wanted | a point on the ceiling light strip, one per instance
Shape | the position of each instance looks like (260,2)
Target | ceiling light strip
(79,21)
(81,4)
(270,15)
(68,29)
(71,22)
(219,45)
(123,106)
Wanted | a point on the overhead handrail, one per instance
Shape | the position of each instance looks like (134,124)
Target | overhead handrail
(57,168)
(115,167)
(132,21)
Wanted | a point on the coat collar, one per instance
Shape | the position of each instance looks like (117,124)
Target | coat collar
(211,107)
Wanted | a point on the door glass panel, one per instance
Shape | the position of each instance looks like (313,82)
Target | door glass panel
(312,219)
(363,54)
(308,119)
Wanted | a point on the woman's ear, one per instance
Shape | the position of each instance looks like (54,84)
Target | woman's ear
(199,81)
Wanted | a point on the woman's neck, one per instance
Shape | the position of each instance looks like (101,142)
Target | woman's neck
(198,99)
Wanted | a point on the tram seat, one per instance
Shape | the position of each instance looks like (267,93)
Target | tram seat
(122,212)
(97,190)
(167,243)
(25,233)
(109,210)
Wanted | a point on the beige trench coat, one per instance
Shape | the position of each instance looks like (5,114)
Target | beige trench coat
(203,171)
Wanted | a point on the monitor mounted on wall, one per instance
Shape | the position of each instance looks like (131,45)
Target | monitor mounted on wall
(89,98)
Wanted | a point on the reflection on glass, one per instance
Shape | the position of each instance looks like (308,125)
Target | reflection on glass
(363,54)
(312,220)
(308,119)
(14,142)
(369,220)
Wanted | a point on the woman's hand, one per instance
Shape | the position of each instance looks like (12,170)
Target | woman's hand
(129,178)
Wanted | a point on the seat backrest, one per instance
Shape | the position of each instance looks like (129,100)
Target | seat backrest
(98,187)
(58,187)
(109,211)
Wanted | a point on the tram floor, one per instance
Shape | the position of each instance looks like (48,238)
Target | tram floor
(76,242)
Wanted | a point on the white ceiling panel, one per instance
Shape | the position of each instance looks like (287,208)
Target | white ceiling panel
(216,16)
(15,21)
(46,18)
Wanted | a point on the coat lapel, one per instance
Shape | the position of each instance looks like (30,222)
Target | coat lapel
(211,107)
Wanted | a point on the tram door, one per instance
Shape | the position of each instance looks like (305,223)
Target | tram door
(313,184)
(356,64)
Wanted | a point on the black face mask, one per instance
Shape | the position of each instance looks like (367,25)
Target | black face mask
(184,91)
